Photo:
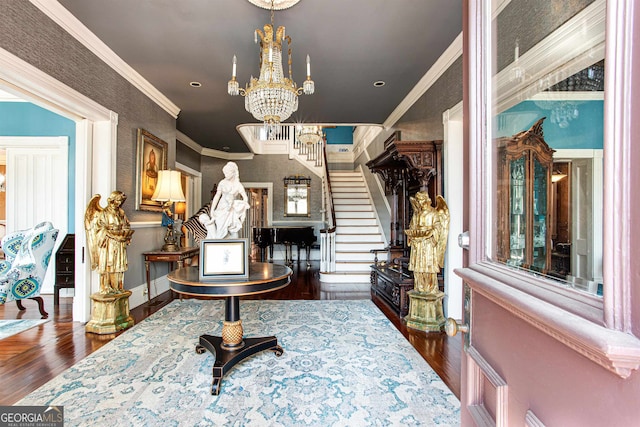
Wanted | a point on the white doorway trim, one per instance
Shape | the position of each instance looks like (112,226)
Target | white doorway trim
(269,188)
(453,151)
(95,139)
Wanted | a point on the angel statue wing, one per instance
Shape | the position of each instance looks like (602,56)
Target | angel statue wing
(93,212)
(443,213)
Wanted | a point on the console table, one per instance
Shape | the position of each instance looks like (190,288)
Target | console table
(231,348)
(179,257)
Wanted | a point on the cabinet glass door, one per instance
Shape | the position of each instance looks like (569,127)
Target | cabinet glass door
(540,189)
(518,217)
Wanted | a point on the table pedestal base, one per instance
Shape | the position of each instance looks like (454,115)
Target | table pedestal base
(227,359)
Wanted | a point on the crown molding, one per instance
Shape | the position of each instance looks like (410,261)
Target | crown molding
(185,140)
(453,52)
(47,92)
(61,16)
(209,152)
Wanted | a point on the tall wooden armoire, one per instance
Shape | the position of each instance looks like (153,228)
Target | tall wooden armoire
(525,163)
(406,167)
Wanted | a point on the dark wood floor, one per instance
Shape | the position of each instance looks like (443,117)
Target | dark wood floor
(32,358)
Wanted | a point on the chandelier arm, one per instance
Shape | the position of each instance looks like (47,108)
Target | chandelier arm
(288,39)
(262,35)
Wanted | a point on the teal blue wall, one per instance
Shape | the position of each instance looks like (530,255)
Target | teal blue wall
(26,119)
(339,135)
(584,132)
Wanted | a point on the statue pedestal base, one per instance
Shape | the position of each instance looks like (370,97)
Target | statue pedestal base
(425,311)
(110,313)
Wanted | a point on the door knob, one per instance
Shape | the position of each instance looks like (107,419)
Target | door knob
(451,327)
(463,240)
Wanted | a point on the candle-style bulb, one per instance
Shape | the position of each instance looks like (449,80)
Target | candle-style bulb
(233,72)
(308,66)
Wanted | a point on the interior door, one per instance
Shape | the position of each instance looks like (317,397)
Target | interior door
(37,187)
(582,220)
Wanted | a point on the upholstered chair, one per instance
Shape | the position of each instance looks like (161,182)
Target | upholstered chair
(27,256)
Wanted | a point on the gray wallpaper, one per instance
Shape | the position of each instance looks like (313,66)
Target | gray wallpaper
(29,34)
(530,22)
(422,122)
(187,156)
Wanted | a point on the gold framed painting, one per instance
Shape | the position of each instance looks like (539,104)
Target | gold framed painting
(151,158)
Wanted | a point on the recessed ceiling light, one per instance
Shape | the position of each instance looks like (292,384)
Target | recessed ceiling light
(195,84)
(379,83)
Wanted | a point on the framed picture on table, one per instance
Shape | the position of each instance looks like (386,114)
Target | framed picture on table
(151,158)
(224,259)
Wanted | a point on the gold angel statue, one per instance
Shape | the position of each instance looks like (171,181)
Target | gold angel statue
(108,235)
(427,238)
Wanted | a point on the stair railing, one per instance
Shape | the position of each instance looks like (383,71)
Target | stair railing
(328,234)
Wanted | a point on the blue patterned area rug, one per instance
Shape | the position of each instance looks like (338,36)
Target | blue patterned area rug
(344,364)
(12,327)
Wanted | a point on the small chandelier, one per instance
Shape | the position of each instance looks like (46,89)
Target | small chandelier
(271,98)
(309,135)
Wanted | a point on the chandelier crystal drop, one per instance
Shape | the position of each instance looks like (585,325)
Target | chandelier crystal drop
(272,97)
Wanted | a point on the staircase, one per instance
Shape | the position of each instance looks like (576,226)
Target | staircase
(357,232)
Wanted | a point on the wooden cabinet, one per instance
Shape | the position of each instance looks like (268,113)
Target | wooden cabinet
(392,285)
(523,200)
(65,266)
(406,167)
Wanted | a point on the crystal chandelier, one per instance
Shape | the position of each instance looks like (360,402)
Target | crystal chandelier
(309,135)
(272,97)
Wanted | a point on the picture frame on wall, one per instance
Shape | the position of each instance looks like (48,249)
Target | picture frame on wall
(151,158)
(296,196)
(222,259)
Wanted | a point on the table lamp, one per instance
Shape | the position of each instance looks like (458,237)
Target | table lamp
(169,190)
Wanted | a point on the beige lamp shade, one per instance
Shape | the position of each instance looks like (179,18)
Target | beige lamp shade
(169,187)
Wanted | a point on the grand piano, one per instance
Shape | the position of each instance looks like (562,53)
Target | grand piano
(302,237)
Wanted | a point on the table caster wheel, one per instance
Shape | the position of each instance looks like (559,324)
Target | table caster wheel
(278,351)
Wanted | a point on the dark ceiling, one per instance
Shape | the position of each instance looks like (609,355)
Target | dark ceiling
(352,44)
